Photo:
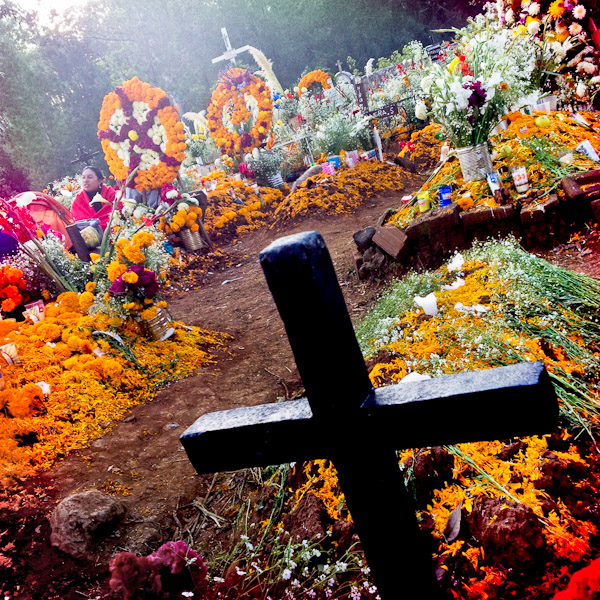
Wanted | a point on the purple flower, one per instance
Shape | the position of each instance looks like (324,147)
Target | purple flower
(118,287)
(477,98)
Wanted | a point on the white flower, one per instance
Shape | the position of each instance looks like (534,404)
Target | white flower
(595,80)
(456,263)
(25,199)
(427,303)
(509,16)
(581,89)
(575,29)
(533,28)
(172,194)
(286,574)
(579,11)
(421,110)
(586,67)
(533,9)
(187,594)
(426,84)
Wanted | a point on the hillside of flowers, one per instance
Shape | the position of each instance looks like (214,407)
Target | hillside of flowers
(503,115)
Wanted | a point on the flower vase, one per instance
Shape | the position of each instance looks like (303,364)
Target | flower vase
(191,240)
(275,181)
(158,328)
(475,162)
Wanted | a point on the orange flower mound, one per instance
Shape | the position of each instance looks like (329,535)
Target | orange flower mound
(92,381)
(235,208)
(230,102)
(136,111)
(312,78)
(340,193)
(424,147)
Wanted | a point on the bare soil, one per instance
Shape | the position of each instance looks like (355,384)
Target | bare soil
(143,452)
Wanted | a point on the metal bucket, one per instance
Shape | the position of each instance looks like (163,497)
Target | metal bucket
(191,240)
(275,181)
(158,327)
(475,162)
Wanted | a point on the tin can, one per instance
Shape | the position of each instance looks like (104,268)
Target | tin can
(445,192)
(423,201)
(493,181)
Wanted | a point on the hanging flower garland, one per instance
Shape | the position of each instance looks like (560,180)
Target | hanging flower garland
(139,127)
(240,112)
(314,77)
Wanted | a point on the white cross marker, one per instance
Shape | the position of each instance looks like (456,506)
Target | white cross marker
(230,52)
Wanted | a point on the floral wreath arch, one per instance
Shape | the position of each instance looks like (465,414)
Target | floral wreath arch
(313,77)
(240,113)
(139,127)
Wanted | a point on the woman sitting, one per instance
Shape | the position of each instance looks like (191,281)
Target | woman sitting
(95,199)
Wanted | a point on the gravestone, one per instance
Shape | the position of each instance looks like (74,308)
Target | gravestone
(360,428)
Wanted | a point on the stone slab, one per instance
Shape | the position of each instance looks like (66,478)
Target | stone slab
(540,212)
(472,218)
(391,240)
(433,221)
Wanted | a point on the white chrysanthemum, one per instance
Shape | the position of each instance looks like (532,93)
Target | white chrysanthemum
(575,29)
(595,80)
(421,110)
(533,28)
(533,9)
(509,17)
(426,84)
(140,110)
(579,11)
(581,89)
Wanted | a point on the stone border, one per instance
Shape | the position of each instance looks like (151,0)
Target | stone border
(435,235)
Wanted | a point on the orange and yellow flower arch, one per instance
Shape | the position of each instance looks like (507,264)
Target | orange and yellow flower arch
(314,77)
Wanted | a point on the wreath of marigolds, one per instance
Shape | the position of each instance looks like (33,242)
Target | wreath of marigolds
(139,127)
(231,94)
(313,77)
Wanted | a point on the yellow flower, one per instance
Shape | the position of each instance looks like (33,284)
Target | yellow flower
(135,255)
(130,277)
(94,257)
(115,270)
(142,239)
(133,136)
(149,313)
(89,287)
(86,300)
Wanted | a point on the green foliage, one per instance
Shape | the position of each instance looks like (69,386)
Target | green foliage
(54,76)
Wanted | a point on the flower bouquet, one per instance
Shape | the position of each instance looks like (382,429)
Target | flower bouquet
(266,166)
(186,222)
(468,97)
(126,281)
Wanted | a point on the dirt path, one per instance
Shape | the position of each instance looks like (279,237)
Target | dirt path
(143,452)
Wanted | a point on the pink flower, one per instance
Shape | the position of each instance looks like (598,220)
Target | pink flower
(579,11)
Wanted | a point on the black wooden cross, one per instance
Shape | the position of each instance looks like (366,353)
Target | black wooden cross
(360,428)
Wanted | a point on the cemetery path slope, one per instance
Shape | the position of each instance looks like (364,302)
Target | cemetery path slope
(142,454)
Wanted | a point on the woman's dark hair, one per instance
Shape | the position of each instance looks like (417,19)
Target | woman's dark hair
(97,172)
